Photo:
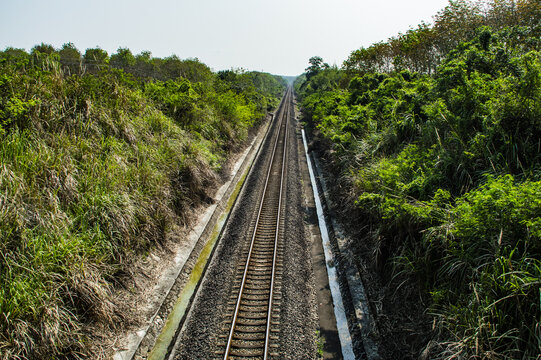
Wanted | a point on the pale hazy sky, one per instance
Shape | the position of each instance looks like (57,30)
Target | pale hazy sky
(276,36)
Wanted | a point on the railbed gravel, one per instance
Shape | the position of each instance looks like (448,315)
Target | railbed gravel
(201,332)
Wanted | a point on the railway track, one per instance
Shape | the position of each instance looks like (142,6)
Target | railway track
(254,306)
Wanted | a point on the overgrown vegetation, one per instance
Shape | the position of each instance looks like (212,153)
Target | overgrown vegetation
(99,157)
(437,133)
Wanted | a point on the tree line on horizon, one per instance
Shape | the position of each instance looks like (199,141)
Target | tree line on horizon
(420,49)
(142,65)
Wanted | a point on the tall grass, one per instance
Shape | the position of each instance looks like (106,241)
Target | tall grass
(92,175)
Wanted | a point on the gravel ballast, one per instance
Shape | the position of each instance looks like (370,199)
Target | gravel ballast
(202,333)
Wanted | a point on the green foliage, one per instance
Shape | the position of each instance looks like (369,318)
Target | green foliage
(94,58)
(96,168)
(421,49)
(445,169)
(316,65)
(70,58)
(123,59)
(491,268)
(177,99)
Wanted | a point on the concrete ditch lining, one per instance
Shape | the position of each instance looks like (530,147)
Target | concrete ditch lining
(212,221)
(339,311)
(363,322)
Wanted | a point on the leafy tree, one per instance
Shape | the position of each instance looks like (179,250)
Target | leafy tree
(456,23)
(123,59)
(144,67)
(94,58)
(421,49)
(316,65)
(170,68)
(144,56)
(70,57)
(43,49)
(195,71)
(44,55)
(13,53)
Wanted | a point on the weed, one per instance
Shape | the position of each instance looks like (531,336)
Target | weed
(320,344)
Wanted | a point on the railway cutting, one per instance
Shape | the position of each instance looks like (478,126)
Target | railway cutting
(259,297)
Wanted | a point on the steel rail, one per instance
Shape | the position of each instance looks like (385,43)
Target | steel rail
(254,235)
(284,162)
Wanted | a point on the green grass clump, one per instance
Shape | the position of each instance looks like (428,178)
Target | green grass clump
(95,168)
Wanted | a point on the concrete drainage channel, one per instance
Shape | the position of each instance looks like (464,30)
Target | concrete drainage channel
(344,278)
(201,240)
(339,311)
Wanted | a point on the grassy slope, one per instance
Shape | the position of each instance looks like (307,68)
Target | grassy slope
(444,171)
(92,175)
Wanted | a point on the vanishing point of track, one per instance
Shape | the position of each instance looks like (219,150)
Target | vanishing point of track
(257,283)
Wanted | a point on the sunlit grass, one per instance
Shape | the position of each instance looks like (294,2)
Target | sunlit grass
(93,174)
